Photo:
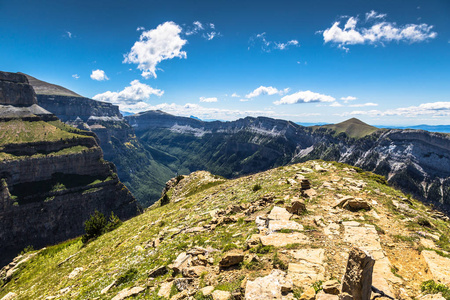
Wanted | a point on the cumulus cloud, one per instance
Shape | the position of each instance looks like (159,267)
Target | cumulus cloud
(140,28)
(211,99)
(131,98)
(364,104)
(198,26)
(75,76)
(154,46)
(433,109)
(260,40)
(265,90)
(234,95)
(348,98)
(374,30)
(336,104)
(304,97)
(99,75)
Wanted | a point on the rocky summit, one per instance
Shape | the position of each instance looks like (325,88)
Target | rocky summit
(52,176)
(315,230)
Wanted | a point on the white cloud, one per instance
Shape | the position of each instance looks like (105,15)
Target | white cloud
(434,109)
(75,76)
(206,113)
(374,15)
(267,46)
(99,75)
(198,26)
(364,104)
(69,34)
(234,95)
(348,98)
(131,98)
(266,90)
(211,99)
(336,104)
(283,46)
(156,45)
(377,32)
(140,28)
(304,97)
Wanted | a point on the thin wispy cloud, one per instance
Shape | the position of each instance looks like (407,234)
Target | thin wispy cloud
(304,97)
(348,98)
(99,75)
(363,104)
(156,45)
(208,30)
(75,76)
(209,100)
(375,30)
(260,40)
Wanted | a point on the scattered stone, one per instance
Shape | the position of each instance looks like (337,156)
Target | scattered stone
(128,292)
(158,271)
(309,193)
(279,213)
(437,296)
(438,265)
(253,241)
(207,290)
(193,272)
(323,296)
(165,288)
(182,261)
(277,225)
(308,294)
(357,280)
(340,202)
(75,272)
(331,287)
(195,230)
(179,296)
(345,296)
(183,283)
(297,207)
(267,287)
(106,289)
(283,239)
(231,258)
(221,295)
(356,204)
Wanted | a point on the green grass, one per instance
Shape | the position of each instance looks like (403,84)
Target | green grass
(431,287)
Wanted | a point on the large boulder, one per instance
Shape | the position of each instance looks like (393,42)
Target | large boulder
(357,280)
(15,90)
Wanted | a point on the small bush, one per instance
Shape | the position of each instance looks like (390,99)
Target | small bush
(277,263)
(431,287)
(256,187)
(260,249)
(127,276)
(27,249)
(165,200)
(98,225)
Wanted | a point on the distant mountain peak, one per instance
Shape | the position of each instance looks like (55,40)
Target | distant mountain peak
(353,127)
(44,88)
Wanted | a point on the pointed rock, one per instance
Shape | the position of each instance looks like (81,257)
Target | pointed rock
(357,279)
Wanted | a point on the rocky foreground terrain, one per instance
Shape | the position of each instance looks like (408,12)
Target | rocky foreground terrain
(52,176)
(285,233)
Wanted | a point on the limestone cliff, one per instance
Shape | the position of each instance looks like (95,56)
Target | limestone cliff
(52,176)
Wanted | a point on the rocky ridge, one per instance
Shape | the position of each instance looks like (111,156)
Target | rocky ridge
(52,176)
(303,231)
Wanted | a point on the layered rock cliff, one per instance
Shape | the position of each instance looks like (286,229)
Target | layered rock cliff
(135,164)
(53,176)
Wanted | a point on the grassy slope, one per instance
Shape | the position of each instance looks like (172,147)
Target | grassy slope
(123,249)
(18,131)
(353,128)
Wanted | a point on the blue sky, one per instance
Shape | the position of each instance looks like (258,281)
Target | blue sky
(385,62)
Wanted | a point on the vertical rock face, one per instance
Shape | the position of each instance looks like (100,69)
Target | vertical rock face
(52,176)
(15,90)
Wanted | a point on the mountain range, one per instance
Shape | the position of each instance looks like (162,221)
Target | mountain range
(149,148)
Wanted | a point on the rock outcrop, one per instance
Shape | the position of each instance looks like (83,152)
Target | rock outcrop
(53,177)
